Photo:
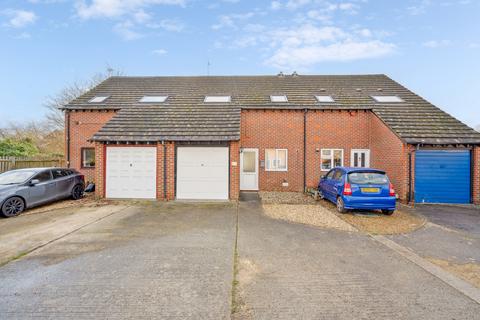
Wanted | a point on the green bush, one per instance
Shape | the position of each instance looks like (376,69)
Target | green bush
(17,148)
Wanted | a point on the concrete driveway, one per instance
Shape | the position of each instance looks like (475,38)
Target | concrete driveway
(142,262)
(176,260)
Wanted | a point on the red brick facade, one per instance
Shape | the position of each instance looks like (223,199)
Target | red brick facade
(83,125)
(278,129)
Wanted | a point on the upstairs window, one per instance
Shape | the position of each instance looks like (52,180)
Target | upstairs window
(217,99)
(325,99)
(98,99)
(387,99)
(153,99)
(282,98)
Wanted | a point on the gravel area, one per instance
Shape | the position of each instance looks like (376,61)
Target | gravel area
(87,201)
(314,215)
(285,198)
(469,271)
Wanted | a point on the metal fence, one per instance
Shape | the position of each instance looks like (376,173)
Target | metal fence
(10,163)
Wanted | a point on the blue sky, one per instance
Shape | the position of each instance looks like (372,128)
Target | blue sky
(432,47)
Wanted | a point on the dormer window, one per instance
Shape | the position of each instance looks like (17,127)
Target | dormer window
(282,98)
(217,99)
(98,99)
(325,99)
(153,99)
(388,99)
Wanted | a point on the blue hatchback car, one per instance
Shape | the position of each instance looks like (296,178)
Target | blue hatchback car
(358,188)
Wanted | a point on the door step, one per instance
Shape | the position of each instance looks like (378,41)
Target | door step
(249,196)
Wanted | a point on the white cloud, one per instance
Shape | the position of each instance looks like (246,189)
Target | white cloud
(275,5)
(117,8)
(305,56)
(230,21)
(169,25)
(295,4)
(474,45)
(160,52)
(19,18)
(126,31)
(437,43)
(419,8)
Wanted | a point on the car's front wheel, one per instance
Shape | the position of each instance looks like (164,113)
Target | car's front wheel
(77,192)
(341,205)
(388,212)
(13,207)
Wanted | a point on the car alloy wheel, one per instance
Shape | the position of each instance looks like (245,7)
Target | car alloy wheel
(341,205)
(77,192)
(13,207)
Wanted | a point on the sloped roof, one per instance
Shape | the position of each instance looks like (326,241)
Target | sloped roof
(416,120)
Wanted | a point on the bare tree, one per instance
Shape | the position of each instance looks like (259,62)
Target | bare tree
(53,103)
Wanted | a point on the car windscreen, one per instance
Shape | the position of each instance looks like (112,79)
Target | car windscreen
(14,177)
(367,178)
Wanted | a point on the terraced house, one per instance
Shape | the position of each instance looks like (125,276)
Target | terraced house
(212,137)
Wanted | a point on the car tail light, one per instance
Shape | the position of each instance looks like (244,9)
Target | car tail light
(392,190)
(347,189)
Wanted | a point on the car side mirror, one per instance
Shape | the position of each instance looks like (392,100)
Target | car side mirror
(34,182)
(322,177)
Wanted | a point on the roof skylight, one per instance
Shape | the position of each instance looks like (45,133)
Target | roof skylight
(388,99)
(217,99)
(153,99)
(98,99)
(325,99)
(279,98)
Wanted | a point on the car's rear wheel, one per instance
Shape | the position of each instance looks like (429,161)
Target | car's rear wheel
(77,192)
(13,207)
(388,212)
(341,205)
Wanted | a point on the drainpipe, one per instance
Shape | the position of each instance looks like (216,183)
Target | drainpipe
(67,131)
(164,170)
(305,150)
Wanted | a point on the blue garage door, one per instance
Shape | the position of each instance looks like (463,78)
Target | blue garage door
(442,176)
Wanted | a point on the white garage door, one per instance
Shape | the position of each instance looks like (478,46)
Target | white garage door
(202,173)
(131,172)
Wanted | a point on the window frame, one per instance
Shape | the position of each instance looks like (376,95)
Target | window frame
(396,99)
(274,96)
(211,97)
(276,158)
(367,157)
(332,150)
(82,158)
(92,100)
(324,99)
(152,99)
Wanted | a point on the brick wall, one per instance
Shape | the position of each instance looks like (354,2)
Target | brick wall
(476,175)
(83,125)
(265,129)
(99,170)
(330,129)
(390,154)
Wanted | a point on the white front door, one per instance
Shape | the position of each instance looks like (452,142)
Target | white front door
(131,172)
(202,173)
(249,169)
(360,158)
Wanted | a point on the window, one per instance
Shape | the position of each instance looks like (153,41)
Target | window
(59,173)
(217,99)
(153,99)
(98,99)
(88,157)
(331,158)
(338,175)
(360,158)
(279,98)
(276,159)
(43,176)
(388,99)
(325,99)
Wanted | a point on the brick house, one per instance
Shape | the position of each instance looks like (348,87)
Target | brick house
(211,137)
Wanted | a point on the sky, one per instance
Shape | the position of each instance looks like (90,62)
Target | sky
(430,46)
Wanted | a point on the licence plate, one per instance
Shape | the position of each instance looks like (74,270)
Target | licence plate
(370,190)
